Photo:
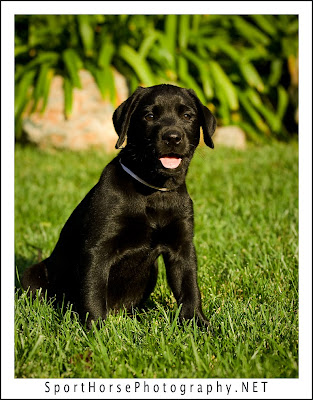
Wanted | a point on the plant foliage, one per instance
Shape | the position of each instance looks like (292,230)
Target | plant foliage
(242,67)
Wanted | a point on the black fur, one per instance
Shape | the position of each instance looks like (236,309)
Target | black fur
(106,255)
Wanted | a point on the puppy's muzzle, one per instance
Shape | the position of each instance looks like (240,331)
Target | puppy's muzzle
(172,138)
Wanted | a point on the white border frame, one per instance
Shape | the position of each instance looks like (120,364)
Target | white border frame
(35,388)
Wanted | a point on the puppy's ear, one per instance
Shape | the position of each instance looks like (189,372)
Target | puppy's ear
(122,115)
(208,121)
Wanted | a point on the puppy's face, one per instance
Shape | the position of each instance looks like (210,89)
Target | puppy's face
(164,128)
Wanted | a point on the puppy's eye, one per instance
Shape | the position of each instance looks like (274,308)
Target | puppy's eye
(149,117)
(187,116)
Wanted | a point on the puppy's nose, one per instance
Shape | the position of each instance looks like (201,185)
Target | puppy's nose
(172,137)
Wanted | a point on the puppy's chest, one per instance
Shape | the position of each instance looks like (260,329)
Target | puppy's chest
(163,210)
(149,224)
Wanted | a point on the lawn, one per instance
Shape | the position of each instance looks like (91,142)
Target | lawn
(246,236)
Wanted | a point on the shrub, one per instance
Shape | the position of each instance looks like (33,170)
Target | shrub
(243,67)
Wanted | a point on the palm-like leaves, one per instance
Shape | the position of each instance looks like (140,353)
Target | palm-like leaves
(240,64)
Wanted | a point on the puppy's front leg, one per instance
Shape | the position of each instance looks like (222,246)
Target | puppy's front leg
(94,288)
(181,270)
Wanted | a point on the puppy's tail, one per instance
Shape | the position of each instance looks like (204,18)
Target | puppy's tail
(35,277)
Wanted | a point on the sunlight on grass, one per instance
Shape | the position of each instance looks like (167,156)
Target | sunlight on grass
(246,236)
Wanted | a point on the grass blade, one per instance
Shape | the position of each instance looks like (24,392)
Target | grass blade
(251,218)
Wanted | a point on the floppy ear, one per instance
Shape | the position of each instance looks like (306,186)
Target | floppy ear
(208,121)
(122,115)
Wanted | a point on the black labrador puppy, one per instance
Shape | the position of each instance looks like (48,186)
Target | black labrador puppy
(106,256)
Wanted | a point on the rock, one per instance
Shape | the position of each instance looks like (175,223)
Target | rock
(231,136)
(89,125)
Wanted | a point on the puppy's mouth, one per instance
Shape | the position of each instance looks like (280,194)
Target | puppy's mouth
(170,161)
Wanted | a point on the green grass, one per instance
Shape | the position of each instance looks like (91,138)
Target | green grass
(246,235)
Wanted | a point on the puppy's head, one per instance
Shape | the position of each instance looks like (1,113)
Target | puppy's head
(162,126)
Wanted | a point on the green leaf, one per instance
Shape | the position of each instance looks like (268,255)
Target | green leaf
(251,75)
(46,89)
(203,72)
(271,118)
(249,31)
(275,72)
(73,64)
(282,103)
(20,50)
(223,108)
(265,22)
(147,43)
(102,81)
(257,52)
(252,132)
(220,44)
(105,81)
(170,32)
(163,57)
(111,86)
(106,53)
(182,68)
(226,87)
(40,85)
(183,35)
(195,22)
(207,84)
(68,97)
(252,113)
(138,64)
(22,89)
(133,82)
(86,33)
(48,57)
(191,83)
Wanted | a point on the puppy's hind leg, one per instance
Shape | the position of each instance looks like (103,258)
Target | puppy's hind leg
(35,277)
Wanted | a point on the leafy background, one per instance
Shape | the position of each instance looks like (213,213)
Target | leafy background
(243,67)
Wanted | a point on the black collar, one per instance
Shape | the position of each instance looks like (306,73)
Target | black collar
(133,175)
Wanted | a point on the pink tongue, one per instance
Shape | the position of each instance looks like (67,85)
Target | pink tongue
(170,162)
